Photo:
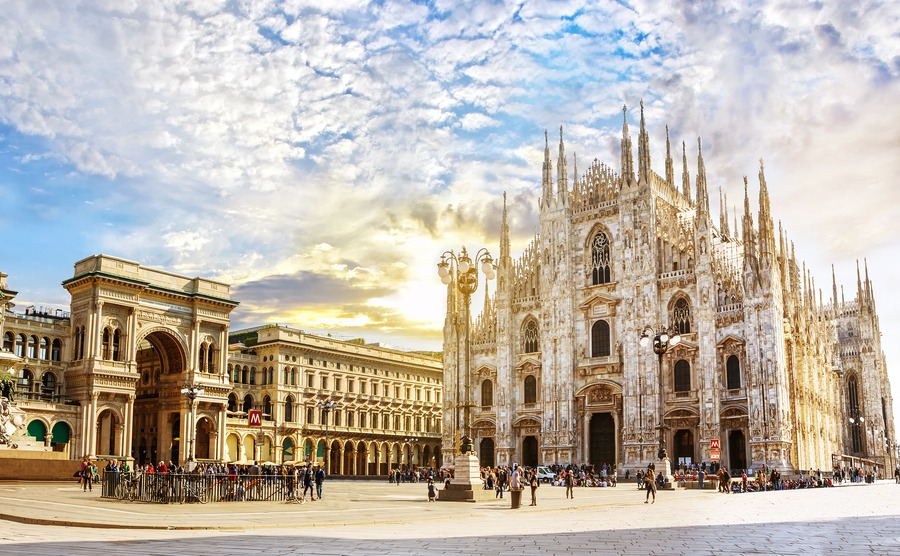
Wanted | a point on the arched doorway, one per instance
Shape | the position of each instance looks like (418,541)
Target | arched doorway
(486,452)
(232,447)
(161,364)
(37,430)
(108,430)
(684,447)
(737,452)
(530,451)
(287,450)
(602,440)
(61,432)
(203,436)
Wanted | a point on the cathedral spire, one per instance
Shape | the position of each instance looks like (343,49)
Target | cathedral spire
(643,151)
(548,173)
(723,213)
(670,168)
(834,297)
(702,194)
(749,242)
(766,228)
(562,173)
(627,159)
(685,176)
(504,237)
(574,171)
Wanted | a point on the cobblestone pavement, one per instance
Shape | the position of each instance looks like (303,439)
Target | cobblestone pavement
(376,518)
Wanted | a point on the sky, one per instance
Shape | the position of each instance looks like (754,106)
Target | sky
(320,156)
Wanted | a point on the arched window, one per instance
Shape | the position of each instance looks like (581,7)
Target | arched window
(287,376)
(733,372)
(600,259)
(104,348)
(48,387)
(211,358)
(56,350)
(43,352)
(248,403)
(267,407)
(252,375)
(289,409)
(232,402)
(117,336)
(530,389)
(600,339)
(201,358)
(530,337)
(32,347)
(25,383)
(245,375)
(681,316)
(682,376)
(8,341)
(487,393)
(20,345)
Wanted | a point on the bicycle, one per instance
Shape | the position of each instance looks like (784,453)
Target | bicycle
(294,498)
(194,492)
(127,489)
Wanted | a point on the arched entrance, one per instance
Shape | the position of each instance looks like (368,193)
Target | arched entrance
(737,452)
(602,440)
(108,431)
(203,445)
(684,447)
(530,451)
(161,374)
(486,452)
(61,433)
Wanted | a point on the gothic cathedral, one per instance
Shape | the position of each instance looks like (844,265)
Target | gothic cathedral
(765,373)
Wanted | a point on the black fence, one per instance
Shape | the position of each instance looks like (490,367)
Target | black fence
(170,488)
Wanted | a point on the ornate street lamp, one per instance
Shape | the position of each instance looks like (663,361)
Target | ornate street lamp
(192,392)
(661,340)
(326,408)
(462,271)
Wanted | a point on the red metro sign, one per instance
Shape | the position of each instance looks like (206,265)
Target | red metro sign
(254,418)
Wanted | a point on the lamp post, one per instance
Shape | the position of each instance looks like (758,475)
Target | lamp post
(326,408)
(191,392)
(462,271)
(661,340)
(409,452)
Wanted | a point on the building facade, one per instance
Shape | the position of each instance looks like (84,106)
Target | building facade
(108,380)
(765,373)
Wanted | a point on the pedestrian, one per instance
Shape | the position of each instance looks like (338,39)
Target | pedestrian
(534,483)
(431,491)
(320,478)
(569,481)
(650,484)
(700,476)
(308,483)
(86,475)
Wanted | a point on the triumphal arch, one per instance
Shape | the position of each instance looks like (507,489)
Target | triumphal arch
(140,337)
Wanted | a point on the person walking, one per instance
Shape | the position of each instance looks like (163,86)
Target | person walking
(700,476)
(320,478)
(86,476)
(650,484)
(308,483)
(569,481)
(534,484)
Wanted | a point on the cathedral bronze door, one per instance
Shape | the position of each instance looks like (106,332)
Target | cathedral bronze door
(684,447)
(603,440)
(530,451)
(486,453)
(737,452)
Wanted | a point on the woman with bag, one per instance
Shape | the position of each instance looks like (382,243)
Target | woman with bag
(650,484)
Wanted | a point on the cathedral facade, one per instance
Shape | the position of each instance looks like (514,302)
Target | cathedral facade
(765,372)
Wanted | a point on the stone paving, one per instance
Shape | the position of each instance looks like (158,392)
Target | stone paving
(362,518)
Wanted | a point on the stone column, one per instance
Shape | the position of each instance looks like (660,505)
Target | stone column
(129,428)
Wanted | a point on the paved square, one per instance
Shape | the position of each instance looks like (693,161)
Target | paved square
(361,518)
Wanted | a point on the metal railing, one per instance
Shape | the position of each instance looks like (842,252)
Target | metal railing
(168,488)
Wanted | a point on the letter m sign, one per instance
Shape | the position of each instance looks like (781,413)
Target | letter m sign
(254,418)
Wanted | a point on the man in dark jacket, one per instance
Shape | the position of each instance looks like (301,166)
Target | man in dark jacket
(320,478)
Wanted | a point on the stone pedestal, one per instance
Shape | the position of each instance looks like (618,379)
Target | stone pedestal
(466,484)
(665,466)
